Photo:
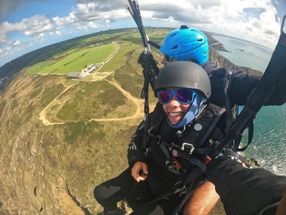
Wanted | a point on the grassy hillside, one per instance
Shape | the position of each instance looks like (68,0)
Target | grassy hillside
(44,167)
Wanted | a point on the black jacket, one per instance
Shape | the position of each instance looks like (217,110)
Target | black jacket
(241,84)
(245,191)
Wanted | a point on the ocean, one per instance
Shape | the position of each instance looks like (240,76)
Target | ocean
(269,141)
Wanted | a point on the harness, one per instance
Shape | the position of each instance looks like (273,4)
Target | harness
(193,143)
(195,140)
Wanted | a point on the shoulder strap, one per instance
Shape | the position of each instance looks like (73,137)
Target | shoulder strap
(219,112)
(154,121)
(250,137)
(229,114)
(230,117)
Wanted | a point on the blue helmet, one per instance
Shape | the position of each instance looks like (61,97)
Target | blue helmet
(186,44)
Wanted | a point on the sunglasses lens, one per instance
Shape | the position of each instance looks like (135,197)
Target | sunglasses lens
(164,96)
(185,96)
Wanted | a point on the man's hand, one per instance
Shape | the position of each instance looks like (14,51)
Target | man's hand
(139,171)
(144,59)
(150,68)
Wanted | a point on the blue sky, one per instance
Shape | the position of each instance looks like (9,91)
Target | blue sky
(26,25)
(30,8)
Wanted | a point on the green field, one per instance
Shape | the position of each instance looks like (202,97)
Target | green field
(74,60)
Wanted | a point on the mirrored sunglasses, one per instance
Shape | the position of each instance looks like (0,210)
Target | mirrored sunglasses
(185,96)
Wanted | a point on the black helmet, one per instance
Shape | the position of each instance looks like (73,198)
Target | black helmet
(184,74)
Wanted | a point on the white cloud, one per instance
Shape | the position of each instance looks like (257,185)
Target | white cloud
(252,20)
(6,28)
(36,25)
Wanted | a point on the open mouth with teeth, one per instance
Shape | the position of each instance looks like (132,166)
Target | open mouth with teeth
(175,117)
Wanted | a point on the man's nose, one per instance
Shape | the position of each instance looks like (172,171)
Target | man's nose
(174,102)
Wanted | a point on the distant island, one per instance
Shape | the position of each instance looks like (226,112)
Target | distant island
(242,50)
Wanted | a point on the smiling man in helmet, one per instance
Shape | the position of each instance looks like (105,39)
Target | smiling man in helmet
(176,132)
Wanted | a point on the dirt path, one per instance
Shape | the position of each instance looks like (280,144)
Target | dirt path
(139,105)
(43,113)
(95,77)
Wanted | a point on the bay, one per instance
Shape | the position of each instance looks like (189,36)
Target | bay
(269,141)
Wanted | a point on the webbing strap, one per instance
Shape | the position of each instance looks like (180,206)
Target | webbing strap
(229,116)
(211,128)
(250,136)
